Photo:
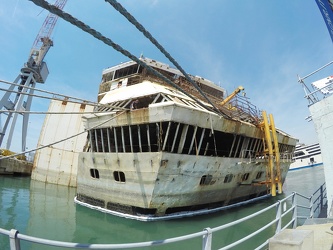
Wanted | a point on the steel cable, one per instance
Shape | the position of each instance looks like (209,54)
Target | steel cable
(147,34)
(69,18)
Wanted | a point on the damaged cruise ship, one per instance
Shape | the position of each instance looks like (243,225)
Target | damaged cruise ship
(160,149)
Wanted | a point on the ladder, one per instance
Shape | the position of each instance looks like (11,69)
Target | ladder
(271,148)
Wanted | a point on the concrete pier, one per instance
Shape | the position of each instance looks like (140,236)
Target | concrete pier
(13,166)
(314,234)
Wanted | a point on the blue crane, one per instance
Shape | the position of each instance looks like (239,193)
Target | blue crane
(18,97)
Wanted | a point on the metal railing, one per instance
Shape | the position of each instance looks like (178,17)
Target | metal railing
(286,214)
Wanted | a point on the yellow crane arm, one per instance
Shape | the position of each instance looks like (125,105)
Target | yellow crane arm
(232,95)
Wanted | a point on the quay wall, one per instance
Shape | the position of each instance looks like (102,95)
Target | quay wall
(12,166)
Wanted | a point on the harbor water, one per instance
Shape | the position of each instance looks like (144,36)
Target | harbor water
(48,211)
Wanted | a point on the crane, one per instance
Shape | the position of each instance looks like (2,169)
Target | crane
(232,95)
(18,97)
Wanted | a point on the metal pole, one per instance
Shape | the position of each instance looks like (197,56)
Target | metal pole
(207,239)
(13,240)
(278,217)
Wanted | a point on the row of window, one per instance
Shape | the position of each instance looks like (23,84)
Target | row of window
(175,137)
(205,180)
(208,179)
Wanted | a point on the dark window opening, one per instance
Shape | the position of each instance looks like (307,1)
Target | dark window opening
(259,174)
(239,146)
(188,139)
(210,145)
(228,178)
(117,139)
(154,137)
(119,176)
(94,173)
(133,69)
(312,160)
(178,137)
(172,137)
(144,137)
(299,153)
(245,176)
(135,138)
(206,179)
(223,143)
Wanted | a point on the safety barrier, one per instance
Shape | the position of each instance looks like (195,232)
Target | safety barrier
(288,213)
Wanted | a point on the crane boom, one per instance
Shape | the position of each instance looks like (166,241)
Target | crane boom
(34,71)
(42,44)
(232,95)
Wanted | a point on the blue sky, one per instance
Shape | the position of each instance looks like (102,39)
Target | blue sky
(261,45)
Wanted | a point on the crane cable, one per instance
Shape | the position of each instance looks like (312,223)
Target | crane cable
(62,140)
(147,34)
(69,18)
(55,95)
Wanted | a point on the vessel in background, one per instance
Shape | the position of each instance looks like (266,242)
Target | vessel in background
(306,156)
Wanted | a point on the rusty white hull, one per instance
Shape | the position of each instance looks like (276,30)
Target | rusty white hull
(156,153)
(160,184)
(164,184)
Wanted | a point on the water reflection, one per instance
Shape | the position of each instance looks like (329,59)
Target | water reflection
(48,211)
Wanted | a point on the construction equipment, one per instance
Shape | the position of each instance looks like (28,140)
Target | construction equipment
(232,95)
(271,149)
(34,71)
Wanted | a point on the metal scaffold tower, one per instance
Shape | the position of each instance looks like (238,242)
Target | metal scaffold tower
(18,97)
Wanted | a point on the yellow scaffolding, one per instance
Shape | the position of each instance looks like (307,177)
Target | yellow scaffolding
(271,148)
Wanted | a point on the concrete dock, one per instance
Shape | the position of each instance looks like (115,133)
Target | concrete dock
(13,166)
(313,234)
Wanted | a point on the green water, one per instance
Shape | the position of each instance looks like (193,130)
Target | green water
(48,211)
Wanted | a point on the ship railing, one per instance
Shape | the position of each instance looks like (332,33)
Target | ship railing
(286,157)
(252,156)
(322,92)
(285,213)
(249,155)
(312,91)
(313,206)
(244,110)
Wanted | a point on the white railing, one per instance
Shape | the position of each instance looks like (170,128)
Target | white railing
(286,214)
